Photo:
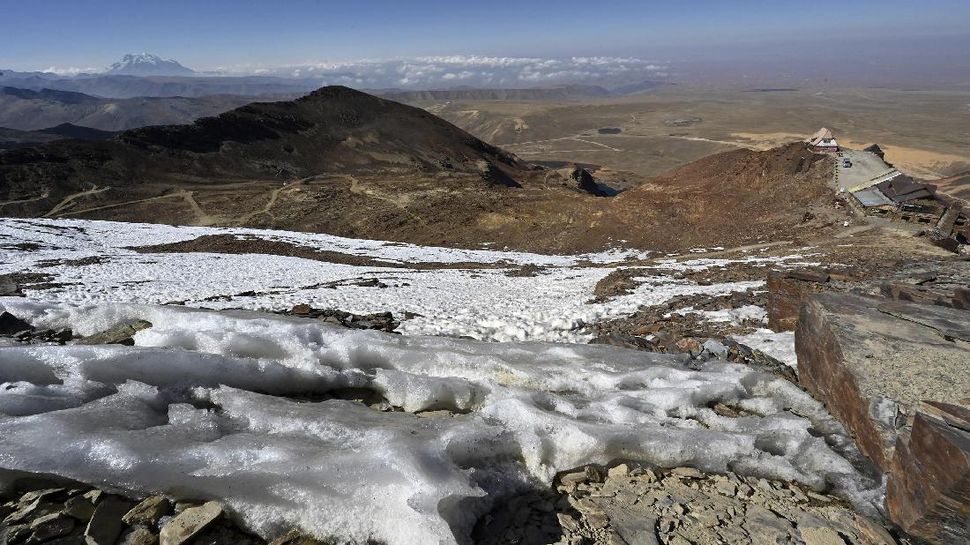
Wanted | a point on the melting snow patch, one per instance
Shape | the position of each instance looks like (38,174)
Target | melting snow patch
(245,407)
(731,315)
(483,303)
(780,346)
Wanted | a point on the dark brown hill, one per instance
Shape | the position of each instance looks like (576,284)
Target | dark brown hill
(332,131)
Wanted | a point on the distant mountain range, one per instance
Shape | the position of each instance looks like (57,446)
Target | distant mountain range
(122,86)
(148,75)
(146,64)
(12,139)
(30,110)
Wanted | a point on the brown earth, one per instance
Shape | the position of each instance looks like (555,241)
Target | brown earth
(342,162)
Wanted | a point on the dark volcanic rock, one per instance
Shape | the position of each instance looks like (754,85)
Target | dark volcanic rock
(586,183)
(10,324)
(928,492)
(119,334)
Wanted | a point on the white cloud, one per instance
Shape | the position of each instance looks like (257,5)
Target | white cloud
(71,70)
(473,70)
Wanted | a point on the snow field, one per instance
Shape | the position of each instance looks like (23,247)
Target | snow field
(483,304)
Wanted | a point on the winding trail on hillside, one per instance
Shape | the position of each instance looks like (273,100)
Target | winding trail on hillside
(67,201)
(357,188)
(40,197)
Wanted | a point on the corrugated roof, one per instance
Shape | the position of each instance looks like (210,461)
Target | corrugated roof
(903,189)
(872,197)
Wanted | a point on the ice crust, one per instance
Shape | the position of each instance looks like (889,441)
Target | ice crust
(245,408)
(779,345)
(483,304)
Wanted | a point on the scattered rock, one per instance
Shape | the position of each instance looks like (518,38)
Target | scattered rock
(81,516)
(527,270)
(17,533)
(682,506)
(119,334)
(50,526)
(618,471)
(689,346)
(140,536)
(716,349)
(817,533)
(294,537)
(148,512)
(189,523)
(106,524)
(586,183)
(381,321)
(928,492)
(11,325)
(80,508)
(688,472)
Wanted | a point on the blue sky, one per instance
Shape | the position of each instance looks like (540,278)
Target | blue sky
(213,33)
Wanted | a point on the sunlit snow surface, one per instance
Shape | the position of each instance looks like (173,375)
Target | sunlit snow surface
(228,406)
(480,303)
(246,407)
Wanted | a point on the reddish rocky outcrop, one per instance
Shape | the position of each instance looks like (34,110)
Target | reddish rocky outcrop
(929,482)
(897,375)
(872,360)
(787,291)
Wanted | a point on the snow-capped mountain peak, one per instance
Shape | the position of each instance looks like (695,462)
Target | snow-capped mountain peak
(146,64)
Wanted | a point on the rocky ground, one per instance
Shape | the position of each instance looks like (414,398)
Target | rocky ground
(627,504)
(80,515)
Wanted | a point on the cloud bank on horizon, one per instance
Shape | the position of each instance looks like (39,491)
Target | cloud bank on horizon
(452,71)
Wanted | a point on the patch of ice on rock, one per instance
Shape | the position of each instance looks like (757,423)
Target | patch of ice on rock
(210,405)
(780,345)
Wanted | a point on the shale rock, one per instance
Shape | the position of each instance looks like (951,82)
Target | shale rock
(119,334)
(871,361)
(189,523)
(787,291)
(106,524)
(929,483)
(148,512)
(635,505)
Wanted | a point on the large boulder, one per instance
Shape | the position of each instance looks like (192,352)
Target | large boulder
(928,491)
(586,183)
(872,361)
(787,291)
